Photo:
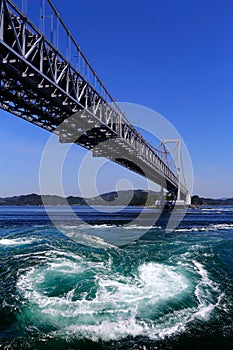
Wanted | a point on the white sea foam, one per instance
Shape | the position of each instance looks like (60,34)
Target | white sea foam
(209,209)
(105,226)
(121,305)
(192,229)
(137,227)
(216,209)
(204,291)
(207,228)
(222,226)
(16,241)
(88,226)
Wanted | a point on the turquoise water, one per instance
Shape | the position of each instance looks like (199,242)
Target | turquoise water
(164,291)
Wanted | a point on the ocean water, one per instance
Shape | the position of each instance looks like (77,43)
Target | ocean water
(164,291)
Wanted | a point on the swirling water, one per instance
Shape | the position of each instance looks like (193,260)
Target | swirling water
(163,291)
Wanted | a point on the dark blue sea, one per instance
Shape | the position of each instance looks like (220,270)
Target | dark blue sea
(67,286)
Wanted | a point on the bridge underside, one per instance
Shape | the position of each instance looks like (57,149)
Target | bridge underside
(20,96)
(39,85)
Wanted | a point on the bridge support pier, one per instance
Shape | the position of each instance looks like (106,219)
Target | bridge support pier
(188,198)
(183,202)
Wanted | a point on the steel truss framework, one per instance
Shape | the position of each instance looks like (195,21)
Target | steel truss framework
(39,84)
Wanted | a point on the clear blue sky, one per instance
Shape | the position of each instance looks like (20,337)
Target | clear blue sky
(175,57)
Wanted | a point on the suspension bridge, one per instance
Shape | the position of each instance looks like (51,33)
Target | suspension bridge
(49,82)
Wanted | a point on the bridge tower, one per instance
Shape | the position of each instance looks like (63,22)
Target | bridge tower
(179,168)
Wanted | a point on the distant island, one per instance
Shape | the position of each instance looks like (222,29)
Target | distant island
(200,201)
(138,198)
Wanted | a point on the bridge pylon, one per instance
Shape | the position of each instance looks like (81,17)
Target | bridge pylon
(181,198)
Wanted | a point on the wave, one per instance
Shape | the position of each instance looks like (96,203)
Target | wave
(217,209)
(106,226)
(203,292)
(138,227)
(209,209)
(16,241)
(211,227)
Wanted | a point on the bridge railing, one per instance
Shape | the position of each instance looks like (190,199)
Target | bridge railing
(86,73)
(52,25)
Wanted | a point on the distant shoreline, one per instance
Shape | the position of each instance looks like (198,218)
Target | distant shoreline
(201,201)
(137,198)
(121,198)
